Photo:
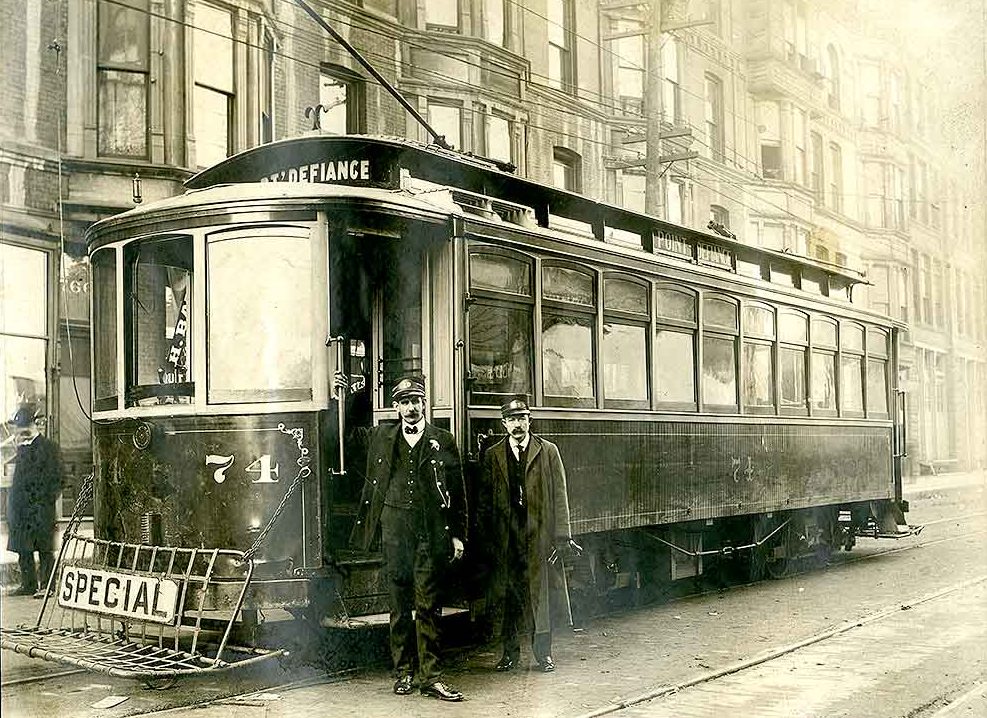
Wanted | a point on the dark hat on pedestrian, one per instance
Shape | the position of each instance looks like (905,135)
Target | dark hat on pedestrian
(23,417)
(409,386)
(517,405)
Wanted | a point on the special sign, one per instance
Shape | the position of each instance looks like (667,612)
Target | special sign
(145,598)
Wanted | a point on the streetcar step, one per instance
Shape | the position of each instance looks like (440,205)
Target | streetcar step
(376,619)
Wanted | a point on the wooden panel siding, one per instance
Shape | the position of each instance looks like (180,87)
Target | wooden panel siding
(640,473)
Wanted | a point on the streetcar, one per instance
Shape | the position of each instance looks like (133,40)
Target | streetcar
(712,401)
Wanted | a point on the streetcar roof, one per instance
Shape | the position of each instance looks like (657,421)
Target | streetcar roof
(243,195)
(314,158)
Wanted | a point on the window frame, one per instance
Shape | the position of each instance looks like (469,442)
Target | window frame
(355,86)
(230,94)
(134,391)
(572,164)
(882,356)
(255,394)
(486,297)
(140,67)
(714,116)
(792,344)
(679,326)
(720,333)
(762,340)
(860,355)
(561,308)
(566,81)
(626,318)
(831,352)
(105,327)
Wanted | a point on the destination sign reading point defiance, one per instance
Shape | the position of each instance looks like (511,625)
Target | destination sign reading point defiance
(143,598)
(323,172)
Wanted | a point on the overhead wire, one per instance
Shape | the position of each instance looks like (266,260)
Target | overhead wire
(302,31)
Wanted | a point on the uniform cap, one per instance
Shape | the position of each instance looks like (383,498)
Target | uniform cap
(517,405)
(408,387)
(23,417)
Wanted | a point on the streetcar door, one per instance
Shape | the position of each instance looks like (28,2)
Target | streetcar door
(375,337)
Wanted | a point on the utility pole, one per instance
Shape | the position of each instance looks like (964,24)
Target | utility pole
(652,111)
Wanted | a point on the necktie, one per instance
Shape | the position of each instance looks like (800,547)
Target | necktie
(411,430)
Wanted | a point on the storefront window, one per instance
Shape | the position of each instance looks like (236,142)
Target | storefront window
(23,338)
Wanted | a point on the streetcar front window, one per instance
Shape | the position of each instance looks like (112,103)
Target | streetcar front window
(160,321)
(260,307)
(104,285)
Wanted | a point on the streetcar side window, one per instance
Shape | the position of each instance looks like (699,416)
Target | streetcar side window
(793,338)
(758,376)
(675,341)
(852,369)
(159,318)
(625,343)
(500,325)
(823,366)
(567,330)
(719,347)
(104,284)
(877,373)
(260,305)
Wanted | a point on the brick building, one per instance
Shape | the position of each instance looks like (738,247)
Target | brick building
(819,128)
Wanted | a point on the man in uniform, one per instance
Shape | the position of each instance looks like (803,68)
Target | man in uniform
(525,486)
(414,489)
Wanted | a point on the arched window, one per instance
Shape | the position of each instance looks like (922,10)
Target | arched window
(851,369)
(823,366)
(793,342)
(567,330)
(567,169)
(758,360)
(625,342)
(719,352)
(878,351)
(500,324)
(675,345)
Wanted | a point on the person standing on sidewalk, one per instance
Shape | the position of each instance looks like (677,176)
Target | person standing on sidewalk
(414,490)
(525,486)
(31,502)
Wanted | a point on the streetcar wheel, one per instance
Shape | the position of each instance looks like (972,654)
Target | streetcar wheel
(764,563)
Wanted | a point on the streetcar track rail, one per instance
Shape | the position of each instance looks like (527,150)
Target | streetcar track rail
(773,654)
(250,698)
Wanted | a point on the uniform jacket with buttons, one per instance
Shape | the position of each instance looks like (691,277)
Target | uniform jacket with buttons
(440,473)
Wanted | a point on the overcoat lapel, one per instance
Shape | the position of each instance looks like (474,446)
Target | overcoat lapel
(534,447)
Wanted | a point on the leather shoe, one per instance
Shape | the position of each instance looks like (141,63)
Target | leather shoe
(546,664)
(441,691)
(402,686)
(506,663)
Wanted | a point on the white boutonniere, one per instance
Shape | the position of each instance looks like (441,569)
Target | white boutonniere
(434,444)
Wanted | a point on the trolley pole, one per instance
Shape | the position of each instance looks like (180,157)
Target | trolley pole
(652,111)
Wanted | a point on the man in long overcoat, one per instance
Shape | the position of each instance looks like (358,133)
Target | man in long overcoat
(528,507)
(31,501)
(414,491)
